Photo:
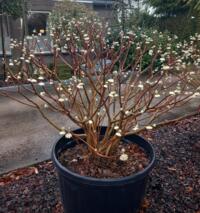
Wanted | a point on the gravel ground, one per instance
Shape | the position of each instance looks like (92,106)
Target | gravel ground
(174,184)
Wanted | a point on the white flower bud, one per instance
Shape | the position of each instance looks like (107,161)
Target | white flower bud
(127,112)
(61,99)
(41,84)
(40,78)
(68,135)
(80,85)
(111,80)
(123,157)
(136,127)
(118,134)
(116,127)
(46,105)
(166,67)
(149,127)
(62,132)
(123,150)
(90,122)
(42,93)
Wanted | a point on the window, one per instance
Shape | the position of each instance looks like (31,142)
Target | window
(5,34)
(37,24)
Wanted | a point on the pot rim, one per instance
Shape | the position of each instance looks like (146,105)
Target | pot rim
(107,181)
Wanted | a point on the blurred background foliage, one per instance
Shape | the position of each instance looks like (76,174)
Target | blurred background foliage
(149,17)
(178,17)
(13,8)
(65,11)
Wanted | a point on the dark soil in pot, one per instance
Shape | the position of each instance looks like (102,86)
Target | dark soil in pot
(79,160)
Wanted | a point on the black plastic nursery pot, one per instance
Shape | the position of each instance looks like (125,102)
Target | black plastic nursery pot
(82,194)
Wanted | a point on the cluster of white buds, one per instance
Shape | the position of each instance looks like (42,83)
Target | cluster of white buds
(140,85)
(62,98)
(80,85)
(105,86)
(123,156)
(136,127)
(41,78)
(127,112)
(113,94)
(42,93)
(62,131)
(32,80)
(162,59)
(59,88)
(119,133)
(111,80)
(68,135)
(46,106)
(41,83)
(116,127)
(11,63)
(149,127)
(150,52)
(90,122)
(157,95)
(172,93)
(166,67)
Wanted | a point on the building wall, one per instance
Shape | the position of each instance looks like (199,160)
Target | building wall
(40,5)
(104,12)
(15,26)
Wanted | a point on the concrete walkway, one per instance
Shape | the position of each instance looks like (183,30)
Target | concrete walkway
(26,138)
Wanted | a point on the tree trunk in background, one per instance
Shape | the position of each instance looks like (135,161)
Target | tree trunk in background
(3,46)
(123,16)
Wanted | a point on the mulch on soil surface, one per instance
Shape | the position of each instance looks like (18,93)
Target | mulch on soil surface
(78,160)
(174,184)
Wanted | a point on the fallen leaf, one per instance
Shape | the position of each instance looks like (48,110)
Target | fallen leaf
(146,203)
(17,174)
(171,169)
(36,171)
(189,189)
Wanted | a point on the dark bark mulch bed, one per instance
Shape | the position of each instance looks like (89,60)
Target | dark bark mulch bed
(174,184)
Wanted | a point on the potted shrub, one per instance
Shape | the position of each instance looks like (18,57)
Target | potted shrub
(103,165)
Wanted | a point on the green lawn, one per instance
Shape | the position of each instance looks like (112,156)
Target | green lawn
(64,72)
